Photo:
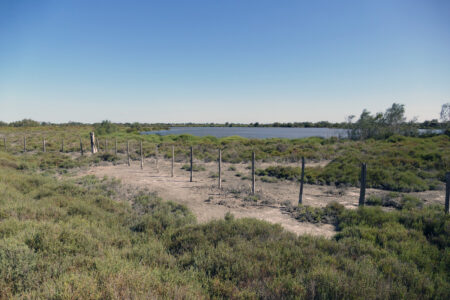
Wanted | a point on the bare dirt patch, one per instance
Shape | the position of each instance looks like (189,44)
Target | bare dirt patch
(207,202)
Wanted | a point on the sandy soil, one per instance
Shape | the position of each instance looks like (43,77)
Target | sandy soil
(207,202)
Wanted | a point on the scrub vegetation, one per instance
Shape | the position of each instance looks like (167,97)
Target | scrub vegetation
(396,163)
(87,238)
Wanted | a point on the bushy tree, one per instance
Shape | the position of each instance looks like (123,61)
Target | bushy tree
(445,113)
(394,118)
(105,127)
(382,125)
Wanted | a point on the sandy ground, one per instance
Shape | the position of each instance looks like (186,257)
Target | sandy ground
(207,202)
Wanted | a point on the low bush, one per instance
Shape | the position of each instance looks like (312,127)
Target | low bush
(196,167)
(327,215)
(396,200)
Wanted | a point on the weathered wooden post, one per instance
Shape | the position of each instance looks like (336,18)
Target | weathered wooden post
(302,179)
(24,144)
(253,172)
(173,158)
(192,163)
(128,153)
(447,191)
(43,145)
(115,146)
(4,142)
(156,158)
(94,148)
(62,145)
(81,148)
(362,194)
(142,157)
(220,168)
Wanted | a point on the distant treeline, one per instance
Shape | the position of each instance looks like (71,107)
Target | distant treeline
(379,125)
(429,124)
(321,124)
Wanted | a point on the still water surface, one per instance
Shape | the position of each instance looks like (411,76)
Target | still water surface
(254,132)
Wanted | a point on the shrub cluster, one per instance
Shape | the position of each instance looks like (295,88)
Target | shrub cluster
(397,164)
(62,239)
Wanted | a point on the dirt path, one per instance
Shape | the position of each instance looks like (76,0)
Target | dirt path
(208,202)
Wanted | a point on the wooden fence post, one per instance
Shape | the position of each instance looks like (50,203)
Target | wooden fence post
(94,148)
(302,179)
(447,191)
(24,144)
(128,153)
(173,157)
(142,158)
(192,162)
(81,147)
(43,145)
(253,172)
(115,146)
(4,142)
(62,145)
(362,194)
(220,168)
(156,158)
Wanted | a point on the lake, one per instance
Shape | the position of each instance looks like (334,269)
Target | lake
(254,132)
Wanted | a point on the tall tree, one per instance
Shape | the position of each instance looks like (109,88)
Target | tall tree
(445,114)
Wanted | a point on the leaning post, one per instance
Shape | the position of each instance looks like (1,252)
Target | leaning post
(447,191)
(142,158)
(302,180)
(253,172)
(220,168)
(94,148)
(362,194)
(173,158)
(192,163)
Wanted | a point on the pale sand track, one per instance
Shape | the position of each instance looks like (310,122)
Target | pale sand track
(207,202)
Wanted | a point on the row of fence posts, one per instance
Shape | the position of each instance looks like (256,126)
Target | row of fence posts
(95,147)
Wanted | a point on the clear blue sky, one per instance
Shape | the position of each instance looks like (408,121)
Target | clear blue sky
(218,61)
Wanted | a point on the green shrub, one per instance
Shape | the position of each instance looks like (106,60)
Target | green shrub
(105,127)
(268,179)
(108,157)
(197,168)
(374,200)
(157,216)
(326,215)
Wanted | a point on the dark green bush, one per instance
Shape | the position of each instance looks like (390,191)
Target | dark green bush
(196,167)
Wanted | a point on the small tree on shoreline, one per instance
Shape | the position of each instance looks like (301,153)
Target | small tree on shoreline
(380,126)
